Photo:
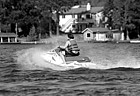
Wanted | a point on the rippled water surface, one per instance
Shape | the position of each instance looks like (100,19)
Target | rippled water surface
(19,76)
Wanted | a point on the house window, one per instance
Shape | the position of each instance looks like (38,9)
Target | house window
(73,26)
(79,16)
(88,16)
(88,34)
(73,16)
(63,16)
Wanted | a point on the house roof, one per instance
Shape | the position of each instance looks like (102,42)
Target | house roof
(8,35)
(83,9)
(96,30)
(86,21)
(96,9)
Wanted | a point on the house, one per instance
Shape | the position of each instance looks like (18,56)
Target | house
(80,17)
(101,34)
(117,35)
(8,37)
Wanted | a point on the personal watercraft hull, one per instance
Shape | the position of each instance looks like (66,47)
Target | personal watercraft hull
(72,62)
(78,59)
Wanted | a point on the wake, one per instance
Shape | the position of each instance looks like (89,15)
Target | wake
(30,59)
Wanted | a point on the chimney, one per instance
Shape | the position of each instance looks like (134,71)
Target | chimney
(88,6)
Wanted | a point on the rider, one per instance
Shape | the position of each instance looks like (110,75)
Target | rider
(71,47)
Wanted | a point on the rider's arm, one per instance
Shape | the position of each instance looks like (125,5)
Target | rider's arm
(66,45)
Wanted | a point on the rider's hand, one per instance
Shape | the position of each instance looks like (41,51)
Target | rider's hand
(58,47)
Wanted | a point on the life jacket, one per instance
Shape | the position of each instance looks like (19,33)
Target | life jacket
(73,46)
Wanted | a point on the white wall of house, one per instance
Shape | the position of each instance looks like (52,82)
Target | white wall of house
(97,36)
(67,19)
(88,36)
(122,36)
(117,36)
(101,37)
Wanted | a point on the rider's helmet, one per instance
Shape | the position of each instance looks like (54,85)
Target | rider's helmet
(70,36)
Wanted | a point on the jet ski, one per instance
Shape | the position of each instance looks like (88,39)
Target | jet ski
(57,58)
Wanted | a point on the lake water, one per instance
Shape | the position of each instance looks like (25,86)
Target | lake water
(23,73)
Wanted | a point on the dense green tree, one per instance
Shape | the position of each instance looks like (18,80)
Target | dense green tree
(94,3)
(31,12)
(135,7)
(124,15)
(108,12)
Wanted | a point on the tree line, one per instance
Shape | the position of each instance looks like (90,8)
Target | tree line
(124,15)
(43,15)
(33,14)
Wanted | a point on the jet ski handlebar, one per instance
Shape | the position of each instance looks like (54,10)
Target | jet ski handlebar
(60,48)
